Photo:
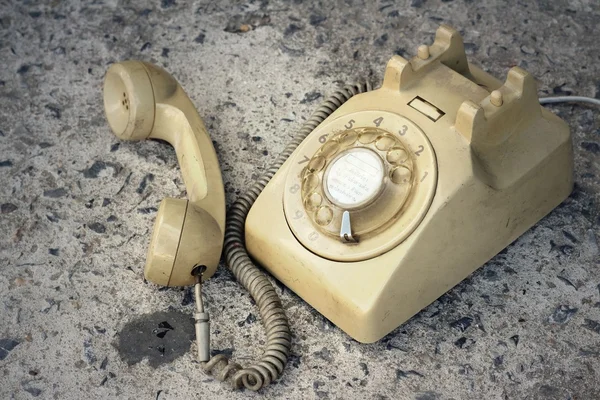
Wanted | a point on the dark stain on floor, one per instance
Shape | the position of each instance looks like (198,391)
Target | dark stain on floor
(161,337)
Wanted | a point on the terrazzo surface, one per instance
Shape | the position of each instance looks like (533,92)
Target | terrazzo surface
(77,205)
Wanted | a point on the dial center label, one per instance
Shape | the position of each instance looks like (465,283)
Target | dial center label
(354,178)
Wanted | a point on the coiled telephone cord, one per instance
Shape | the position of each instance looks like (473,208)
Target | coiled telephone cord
(279,338)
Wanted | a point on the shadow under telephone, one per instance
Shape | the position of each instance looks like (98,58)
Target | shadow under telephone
(383,201)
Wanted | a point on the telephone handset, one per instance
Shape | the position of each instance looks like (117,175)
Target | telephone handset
(382,202)
(142,101)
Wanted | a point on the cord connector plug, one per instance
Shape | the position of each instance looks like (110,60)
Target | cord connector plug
(202,321)
(202,335)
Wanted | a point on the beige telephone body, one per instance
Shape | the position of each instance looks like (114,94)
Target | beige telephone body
(404,191)
(393,199)
(142,101)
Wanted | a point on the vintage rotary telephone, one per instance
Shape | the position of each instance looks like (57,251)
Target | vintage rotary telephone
(383,201)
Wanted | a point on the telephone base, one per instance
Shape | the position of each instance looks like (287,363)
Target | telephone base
(368,299)
(498,163)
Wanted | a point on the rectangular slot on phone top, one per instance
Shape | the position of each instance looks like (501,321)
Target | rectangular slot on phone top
(426,108)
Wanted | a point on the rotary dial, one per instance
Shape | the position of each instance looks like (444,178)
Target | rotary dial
(359,185)
(364,171)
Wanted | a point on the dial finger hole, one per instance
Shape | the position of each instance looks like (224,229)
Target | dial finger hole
(385,142)
(367,136)
(323,216)
(396,155)
(400,174)
(347,138)
(312,201)
(316,164)
(310,183)
(330,148)
(304,171)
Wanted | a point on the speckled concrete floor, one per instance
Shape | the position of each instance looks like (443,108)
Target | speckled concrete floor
(77,206)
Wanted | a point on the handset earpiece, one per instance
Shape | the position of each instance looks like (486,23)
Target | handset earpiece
(143,101)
